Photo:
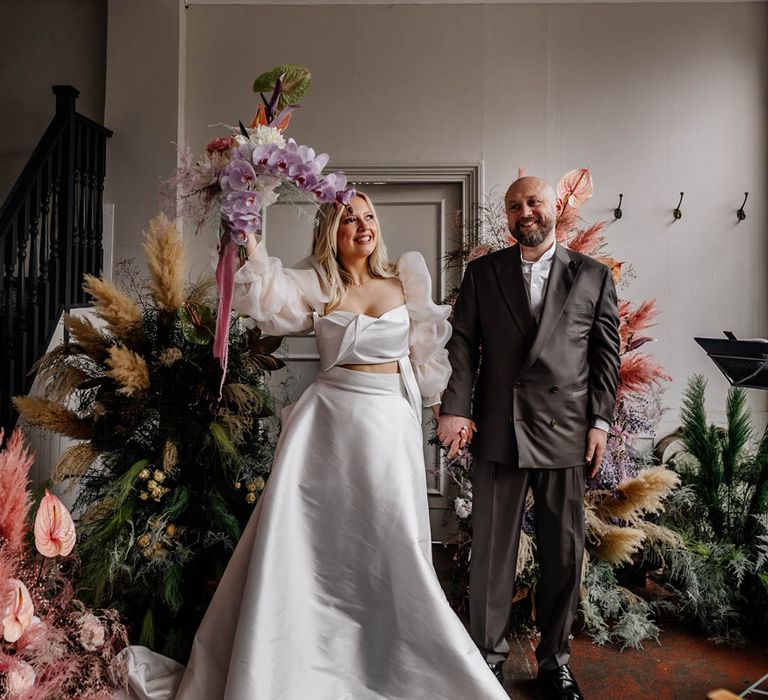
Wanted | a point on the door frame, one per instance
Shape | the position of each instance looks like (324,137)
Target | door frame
(468,175)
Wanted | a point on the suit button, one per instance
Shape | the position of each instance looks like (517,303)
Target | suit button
(517,385)
(555,389)
(511,419)
(553,423)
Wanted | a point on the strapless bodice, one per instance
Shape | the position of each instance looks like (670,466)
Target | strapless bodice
(350,338)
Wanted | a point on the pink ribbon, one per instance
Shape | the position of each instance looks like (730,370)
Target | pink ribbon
(225,284)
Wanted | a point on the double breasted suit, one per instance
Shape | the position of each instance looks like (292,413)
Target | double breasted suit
(533,389)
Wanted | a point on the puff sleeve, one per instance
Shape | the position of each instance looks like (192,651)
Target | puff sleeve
(429,329)
(281,300)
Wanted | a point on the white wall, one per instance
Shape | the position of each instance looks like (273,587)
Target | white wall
(654,98)
(45,43)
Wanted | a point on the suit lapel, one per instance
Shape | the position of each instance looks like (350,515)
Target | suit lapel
(559,286)
(510,278)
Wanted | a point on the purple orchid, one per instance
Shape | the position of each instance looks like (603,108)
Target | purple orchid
(262,154)
(346,196)
(238,174)
(329,186)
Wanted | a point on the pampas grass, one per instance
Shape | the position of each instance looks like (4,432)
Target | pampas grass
(638,372)
(121,314)
(612,543)
(524,553)
(90,339)
(52,416)
(74,462)
(128,369)
(635,497)
(165,256)
(15,461)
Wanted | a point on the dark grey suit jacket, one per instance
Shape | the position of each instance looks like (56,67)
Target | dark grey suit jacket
(539,386)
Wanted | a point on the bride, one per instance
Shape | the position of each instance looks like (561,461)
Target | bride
(330,593)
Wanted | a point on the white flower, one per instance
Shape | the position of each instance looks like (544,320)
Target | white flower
(463,507)
(91,632)
(20,678)
(266,186)
(262,135)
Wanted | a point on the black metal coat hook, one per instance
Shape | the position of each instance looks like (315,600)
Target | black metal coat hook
(617,211)
(676,211)
(740,213)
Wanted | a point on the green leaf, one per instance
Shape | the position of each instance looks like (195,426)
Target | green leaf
(197,323)
(296,80)
(224,444)
(172,588)
(147,635)
(178,503)
(763,579)
(127,481)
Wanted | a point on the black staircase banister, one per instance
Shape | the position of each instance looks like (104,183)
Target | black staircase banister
(50,236)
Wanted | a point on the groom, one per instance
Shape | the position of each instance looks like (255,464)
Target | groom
(547,321)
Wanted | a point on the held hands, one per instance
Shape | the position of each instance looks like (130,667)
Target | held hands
(596,440)
(454,432)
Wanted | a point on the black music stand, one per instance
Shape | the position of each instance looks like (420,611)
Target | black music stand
(743,362)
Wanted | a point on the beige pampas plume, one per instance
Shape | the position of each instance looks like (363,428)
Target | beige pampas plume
(170,456)
(52,416)
(658,534)
(87,336)
(128,369)
(524,553)
(74,462)
(121,314)
(166,259)
(645,493)
(610,542)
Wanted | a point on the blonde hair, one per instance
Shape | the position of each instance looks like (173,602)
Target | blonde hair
(324,248)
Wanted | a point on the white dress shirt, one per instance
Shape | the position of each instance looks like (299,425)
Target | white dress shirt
(536,275)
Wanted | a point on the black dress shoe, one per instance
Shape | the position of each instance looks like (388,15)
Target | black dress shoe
(496,670)
(558,684)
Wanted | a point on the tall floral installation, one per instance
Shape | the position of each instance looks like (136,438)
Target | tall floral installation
(51,644)
(622,502)
(168,400)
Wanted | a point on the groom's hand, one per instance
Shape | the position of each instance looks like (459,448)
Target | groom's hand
(454,432)
(596,440)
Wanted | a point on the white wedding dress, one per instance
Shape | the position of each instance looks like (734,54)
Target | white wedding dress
(330,593)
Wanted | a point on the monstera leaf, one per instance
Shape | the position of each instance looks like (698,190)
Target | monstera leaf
(197,323)
(294,84)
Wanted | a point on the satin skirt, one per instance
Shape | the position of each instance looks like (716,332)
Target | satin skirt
(330,593)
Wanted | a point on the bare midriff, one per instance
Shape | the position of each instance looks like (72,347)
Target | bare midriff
(384,368)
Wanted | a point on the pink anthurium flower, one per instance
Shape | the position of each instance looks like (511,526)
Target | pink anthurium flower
(575,188)
(54,529)
(16,610)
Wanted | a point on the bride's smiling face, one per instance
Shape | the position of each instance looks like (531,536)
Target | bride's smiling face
(357,234)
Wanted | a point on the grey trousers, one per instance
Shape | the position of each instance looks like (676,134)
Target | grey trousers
(498,500)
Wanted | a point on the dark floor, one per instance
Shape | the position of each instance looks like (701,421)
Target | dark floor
(683,666)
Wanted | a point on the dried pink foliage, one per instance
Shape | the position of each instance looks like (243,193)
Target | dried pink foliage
(633,320)
(567,219)
(638,373)
(15,461)
(589,240)
(54,529)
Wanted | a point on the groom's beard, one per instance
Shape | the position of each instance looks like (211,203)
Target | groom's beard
(534,235)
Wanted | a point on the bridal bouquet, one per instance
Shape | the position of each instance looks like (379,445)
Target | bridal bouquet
(242,173)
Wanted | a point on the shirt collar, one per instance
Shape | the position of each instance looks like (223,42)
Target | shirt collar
(546,257)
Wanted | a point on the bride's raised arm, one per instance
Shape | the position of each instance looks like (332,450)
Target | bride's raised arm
(281,300)
(429,330)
